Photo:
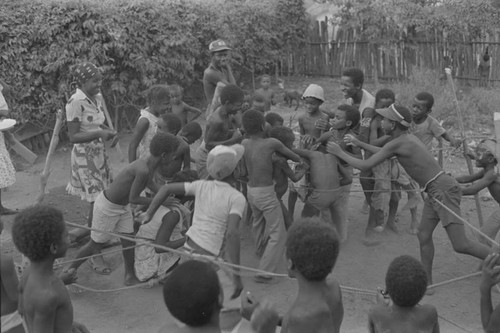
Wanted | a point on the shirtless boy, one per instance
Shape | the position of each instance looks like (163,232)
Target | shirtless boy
(12,322)
(313,98)
(186,113)
(405,283)
(266,91)
(112,207)
(490,318)
(424,169)
(312,248)
(40,234)
(281,169)
(268,224)
(486,178)
(221,126)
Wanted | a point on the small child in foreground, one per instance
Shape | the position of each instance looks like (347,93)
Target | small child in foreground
(11,321)
(112,211)
(312,250)
(40,234)
(180,108)
(490,318)
(406,283)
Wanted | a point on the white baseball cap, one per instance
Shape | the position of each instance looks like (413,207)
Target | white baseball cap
(218,45)
(222,160)
(313,90)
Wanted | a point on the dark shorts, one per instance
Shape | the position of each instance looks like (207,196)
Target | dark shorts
(446,190)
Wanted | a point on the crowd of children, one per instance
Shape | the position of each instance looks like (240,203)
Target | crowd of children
(244,164)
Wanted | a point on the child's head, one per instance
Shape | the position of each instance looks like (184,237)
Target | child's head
(422,105)
(163,145)
(313,97)
(352,82)
(265,81)
(346,116)
(274,119)
(395,116)
(191,131)
(384,98)
(223,160)
(406,281)
(312,247)
(284,134)
(176,94)
(247,102)
(158,98)
(39,233)
(169,123)
(192,293)
(485,153)
(258,103)
(253,122)
(231,97)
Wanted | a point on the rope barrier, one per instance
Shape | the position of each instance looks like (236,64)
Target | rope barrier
(455,324)
(57,264)
(435,285)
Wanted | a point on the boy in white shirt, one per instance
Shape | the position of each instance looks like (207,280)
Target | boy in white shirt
(218,209)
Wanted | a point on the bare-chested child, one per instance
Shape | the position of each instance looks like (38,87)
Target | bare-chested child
(40,234)
(308,122)
(266,92)
(12,322)
(312,248)
(490,318)
(259,103)
(268,223)
(443,190)
(405,284)
(112,207)
(486,178)
(186,113)
(281,169)
(221,126)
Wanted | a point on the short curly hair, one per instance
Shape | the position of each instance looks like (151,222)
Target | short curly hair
(357,76)
(351,114)
(172,122)
(272,118)
(157,94)
(163,143)
(231,94)
(35,229)
(385,94)
(185,176)
(406,281)
(427,97)
(253,121)
(192,129)
(313,247)
(283,134)
(191,293)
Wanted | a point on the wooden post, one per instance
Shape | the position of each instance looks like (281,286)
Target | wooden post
(19,148)
(115,141)
(496,121)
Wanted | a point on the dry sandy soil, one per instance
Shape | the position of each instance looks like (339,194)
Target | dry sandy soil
(142,310)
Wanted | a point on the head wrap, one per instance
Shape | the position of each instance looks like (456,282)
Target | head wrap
(489,145)
(84,72)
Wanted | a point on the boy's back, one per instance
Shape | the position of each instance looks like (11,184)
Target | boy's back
(119,191)
(324,174)
(417,319)
(319,310)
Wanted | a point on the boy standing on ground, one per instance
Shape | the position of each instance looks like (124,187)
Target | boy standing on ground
(486,178)
(40,234)
(266,91)
(424,169)
(405,283)
(112,207)
(313,97)
(268,223)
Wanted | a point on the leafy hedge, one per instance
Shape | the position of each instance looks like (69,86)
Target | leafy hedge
(136,43)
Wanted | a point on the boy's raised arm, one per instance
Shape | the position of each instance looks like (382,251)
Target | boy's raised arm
(470,178)
(191,109)
(212,132)
(383,154)
(233,250)
(280,148)
(478,185)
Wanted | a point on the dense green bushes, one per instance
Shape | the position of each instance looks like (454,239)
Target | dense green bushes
(137,44)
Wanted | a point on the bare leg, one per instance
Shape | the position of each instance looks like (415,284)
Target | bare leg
(292,200)
(425,230)
(391,219)
(99,265)
(88,249)
(414,221)
(461,244)
(128,261)
(3,210)
(370,233)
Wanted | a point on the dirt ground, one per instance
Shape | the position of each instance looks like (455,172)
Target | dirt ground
(143,310)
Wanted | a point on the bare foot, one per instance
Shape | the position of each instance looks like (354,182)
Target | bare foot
(131,280)
(368,241)
(393,227)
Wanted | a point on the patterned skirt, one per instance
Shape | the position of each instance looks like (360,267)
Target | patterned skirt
(7,171)
(90,172)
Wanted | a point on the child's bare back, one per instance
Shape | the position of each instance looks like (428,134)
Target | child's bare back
(136,173)
(324,174)
(317,310)
(394,319)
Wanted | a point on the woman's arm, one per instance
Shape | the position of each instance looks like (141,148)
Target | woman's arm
(139,131)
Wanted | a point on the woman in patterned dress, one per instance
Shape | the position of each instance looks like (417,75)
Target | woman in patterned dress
(90,172)
(7,172)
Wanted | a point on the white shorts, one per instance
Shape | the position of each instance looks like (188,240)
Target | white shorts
(110,217)
(11,320)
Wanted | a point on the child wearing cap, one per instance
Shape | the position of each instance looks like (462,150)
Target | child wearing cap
(444,192)
(424,126)
(218,209)
(313,97)
(266,91)
(486,178)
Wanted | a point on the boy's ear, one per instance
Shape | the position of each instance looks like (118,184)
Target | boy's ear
(53,248)
(290,266)
(348,123)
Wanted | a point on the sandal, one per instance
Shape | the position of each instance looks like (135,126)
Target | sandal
(98,268)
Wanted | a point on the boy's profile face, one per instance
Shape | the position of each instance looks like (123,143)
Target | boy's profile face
(233,108)
(176,97)
(339,121)
(220,58)
(265,82)
(259,106)
(349,90)
(312,104)
(419,109)
(63,244)
(387,126)
(483,157)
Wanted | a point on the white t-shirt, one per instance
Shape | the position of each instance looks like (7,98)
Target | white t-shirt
(215,201)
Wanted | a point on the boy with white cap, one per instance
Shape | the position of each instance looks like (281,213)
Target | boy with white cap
(443,191)
(313,97)
(218,208)
(486,178)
